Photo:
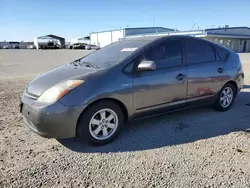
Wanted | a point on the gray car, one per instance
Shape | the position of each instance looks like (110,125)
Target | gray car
(93,97)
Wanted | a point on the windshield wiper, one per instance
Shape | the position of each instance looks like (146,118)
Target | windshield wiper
(90,65)
(78,62)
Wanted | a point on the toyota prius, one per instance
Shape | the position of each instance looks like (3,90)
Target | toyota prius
(95,96)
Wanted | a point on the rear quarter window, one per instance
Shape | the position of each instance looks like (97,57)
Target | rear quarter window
(199,51)
(222,53)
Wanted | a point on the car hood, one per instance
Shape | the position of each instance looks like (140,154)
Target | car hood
(54,76)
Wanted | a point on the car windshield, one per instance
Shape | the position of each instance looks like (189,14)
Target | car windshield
(113,54)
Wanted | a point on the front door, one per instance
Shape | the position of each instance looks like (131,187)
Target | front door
(165,86)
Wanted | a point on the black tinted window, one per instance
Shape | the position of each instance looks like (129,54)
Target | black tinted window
(166,54)
(199,51)
(222,53)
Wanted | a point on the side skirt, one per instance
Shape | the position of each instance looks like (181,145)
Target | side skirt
(171,111)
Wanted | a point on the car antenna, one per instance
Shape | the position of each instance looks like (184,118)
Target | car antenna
(191,28)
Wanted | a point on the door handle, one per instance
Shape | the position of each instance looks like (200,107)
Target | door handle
(220,70)
(180,76)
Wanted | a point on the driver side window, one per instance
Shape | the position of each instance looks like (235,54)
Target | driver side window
(166,54)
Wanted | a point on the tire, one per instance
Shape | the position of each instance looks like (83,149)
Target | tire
(87,131)
(220,104)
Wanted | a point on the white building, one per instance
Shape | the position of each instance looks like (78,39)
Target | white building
(104,38)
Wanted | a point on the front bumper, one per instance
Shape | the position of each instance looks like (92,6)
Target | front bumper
(52,121)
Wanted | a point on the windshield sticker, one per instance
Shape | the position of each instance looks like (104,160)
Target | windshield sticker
(128,49)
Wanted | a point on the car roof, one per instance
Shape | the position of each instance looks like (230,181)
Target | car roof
(164,37)
(152,38)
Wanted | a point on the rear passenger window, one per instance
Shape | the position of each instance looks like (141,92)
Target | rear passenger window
(222,53)
(199,51)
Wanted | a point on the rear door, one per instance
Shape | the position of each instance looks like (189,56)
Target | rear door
(206,71)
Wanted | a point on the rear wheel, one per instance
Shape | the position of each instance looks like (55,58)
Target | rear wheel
(225,98)
(100,123)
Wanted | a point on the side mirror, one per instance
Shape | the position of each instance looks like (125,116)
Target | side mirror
(146,66)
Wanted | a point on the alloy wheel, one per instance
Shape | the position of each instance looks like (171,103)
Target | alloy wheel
(103,124)
(226,97)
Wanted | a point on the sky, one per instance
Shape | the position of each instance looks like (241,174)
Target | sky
(26,19)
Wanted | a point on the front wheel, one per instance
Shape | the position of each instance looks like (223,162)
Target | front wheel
(100,123)
(225,98)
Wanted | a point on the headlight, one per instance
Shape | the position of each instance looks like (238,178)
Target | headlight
(58,91)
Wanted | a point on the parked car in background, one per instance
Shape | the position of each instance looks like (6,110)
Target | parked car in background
(79,46)
(32,46)
(91,47)
(15,46)
(93,97)
(88,47)
(6,47)
(49,45)
(68,46)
